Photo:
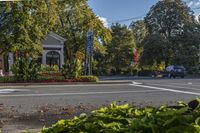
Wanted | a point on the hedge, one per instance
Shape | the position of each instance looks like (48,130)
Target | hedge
(46,79)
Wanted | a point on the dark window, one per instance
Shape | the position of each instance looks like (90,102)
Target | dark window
(53,58)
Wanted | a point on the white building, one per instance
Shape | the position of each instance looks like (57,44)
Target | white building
(53,53)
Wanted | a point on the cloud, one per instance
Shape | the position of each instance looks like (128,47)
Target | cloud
(193,3)
(190,3)
(104,21)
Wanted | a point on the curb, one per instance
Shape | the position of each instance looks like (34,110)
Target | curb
(62,83)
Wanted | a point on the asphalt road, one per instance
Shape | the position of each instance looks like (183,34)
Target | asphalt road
(23,107)
(140,93)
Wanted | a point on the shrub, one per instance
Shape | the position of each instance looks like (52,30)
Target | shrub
(72,69)
(7,79)
(127,119)
(86,79)
(50,79)
(25,69)
(49,69)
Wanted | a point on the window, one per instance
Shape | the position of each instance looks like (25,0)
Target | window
(53,58)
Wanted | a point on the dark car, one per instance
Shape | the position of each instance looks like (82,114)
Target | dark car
(175,71)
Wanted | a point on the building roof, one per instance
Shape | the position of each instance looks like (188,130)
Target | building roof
(53,39)
(56,36)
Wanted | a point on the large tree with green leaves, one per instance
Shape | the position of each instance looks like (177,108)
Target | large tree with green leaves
(75,20)
(154,50)
(120,50)
(23,24)
(167,17)
(171,20)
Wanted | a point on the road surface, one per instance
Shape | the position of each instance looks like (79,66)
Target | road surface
(139,91)
(151,92)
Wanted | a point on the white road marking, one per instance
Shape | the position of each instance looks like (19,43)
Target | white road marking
(4,91)
(181,87)
(165,89)
(137,83)
(81,93)
(186,84)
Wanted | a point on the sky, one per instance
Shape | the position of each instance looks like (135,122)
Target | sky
(111,11)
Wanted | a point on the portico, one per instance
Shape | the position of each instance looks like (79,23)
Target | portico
(53,50)
(52,54)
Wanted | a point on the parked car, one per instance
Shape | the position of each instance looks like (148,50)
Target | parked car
(170,71)
(175,71)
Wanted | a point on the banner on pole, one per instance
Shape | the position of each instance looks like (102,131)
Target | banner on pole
(89,48)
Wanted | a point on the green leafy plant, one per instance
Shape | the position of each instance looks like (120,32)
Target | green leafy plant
(72,70)
(49,69)
(25,69)
(127,119)
(7,79)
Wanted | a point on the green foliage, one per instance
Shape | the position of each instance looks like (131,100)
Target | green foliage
(173,35)
(135,69)
(72,70)
(155,50)
(139,32)
(25,69)
(7,79)
(24,24)
(75,20)
(120,49)
(50,79)
(127,119)
(167,17)
(49,69)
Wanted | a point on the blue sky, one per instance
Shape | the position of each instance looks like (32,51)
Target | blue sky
(111,10)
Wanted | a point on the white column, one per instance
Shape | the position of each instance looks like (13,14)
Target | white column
(62,56)
(44,57)
(10,63)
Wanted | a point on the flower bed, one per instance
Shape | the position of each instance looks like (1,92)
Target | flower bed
(127,119)
(47,78)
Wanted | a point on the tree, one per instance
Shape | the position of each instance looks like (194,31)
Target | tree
(139,32)
(173,21)
(75,20)
(154,50)
(23,24)
(167,17)
(120,50)
(187,46)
